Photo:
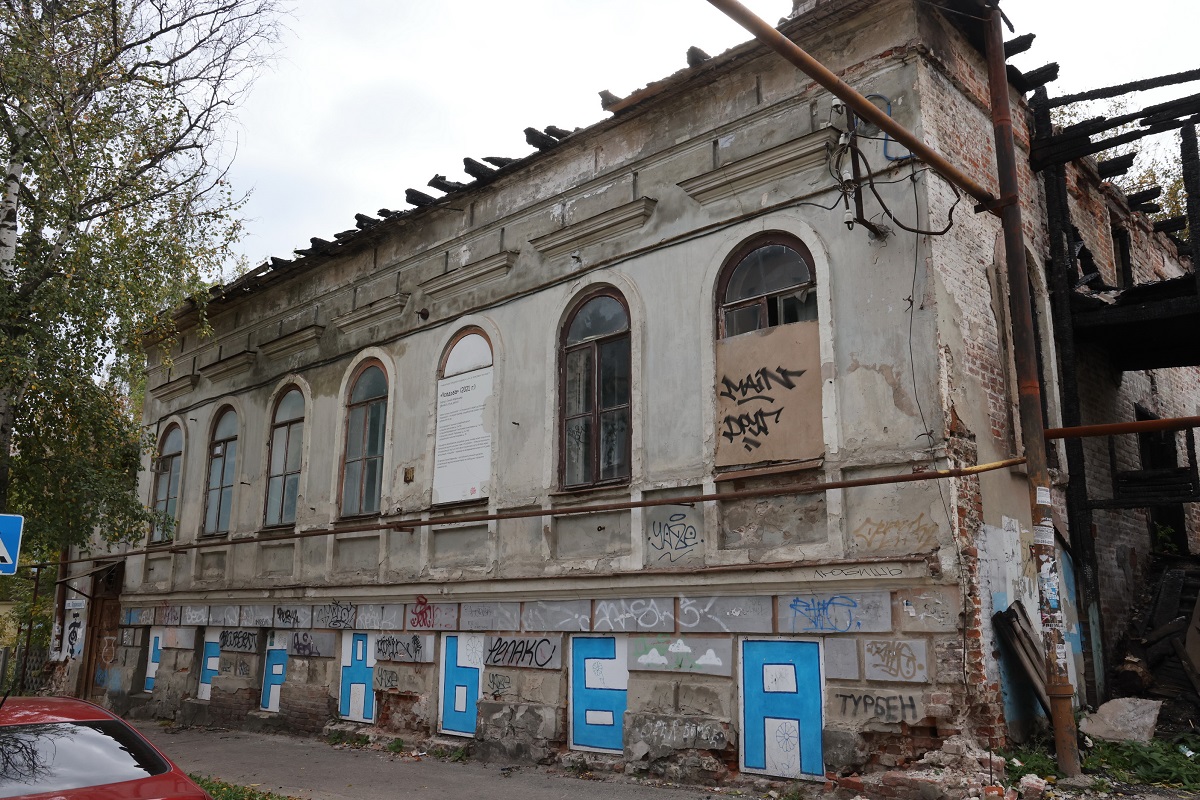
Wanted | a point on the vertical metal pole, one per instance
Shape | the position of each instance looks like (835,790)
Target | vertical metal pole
(1030,400)
(37,577)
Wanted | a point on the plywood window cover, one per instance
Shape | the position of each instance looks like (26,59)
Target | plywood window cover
(762,168)
(372,313)
(175,388)
(471,276)
(293,342)
(230,366)
(599,228)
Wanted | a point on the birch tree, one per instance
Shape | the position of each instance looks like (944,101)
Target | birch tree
(113,138)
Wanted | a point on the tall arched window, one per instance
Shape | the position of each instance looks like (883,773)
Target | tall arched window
(166,482)
(595,392)
(222,469)
(287,445)
(366,416)
(767,282)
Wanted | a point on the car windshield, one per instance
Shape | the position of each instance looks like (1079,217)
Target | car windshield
(55,757)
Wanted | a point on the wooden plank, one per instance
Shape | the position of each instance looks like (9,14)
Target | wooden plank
(1192,673)
(1192,643)
(1014,628)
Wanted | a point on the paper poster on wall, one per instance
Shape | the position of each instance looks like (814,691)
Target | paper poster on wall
(769,396)
(75,619)
(462,464)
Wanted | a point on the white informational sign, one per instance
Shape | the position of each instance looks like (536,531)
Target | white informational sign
(462,464)
(74,622)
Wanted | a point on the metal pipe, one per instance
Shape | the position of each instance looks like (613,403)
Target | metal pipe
(625,505)
(1058,681)
(1115,428)
(765,33)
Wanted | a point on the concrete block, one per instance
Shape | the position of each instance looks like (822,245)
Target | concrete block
(644,615)
(843,612)
(376,617)
(410,647)
(537,652)
(1126,719)
(138,616)
(194,615)
(312,644)
(707,655)
(334,616)
(257,616)
(713,698)
(224,616)
(423,616)
(896,660)
(557,615)
(933,609)
(167,615)
(292,617)
(489,616)
(664,735)
(652,694)
(674,535)
(725,614)
(843,750)
(179,638)
(841,658)
(239,641)
(858,708)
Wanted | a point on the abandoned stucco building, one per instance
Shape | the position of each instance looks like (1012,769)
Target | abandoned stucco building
(440,474)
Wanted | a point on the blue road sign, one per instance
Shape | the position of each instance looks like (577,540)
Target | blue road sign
(10,542)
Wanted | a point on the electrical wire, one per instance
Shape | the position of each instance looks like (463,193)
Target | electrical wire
(893,217)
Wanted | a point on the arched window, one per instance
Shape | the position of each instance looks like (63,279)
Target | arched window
(595,392)
(767,282)
(166,482)
(222,468)
(287,445)
(365,421)
(462,463)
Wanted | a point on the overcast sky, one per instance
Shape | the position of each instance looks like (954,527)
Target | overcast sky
(370,97)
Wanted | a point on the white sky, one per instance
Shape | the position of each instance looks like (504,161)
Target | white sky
(370,97)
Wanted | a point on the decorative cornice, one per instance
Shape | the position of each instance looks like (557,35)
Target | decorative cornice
(599,228)
(293,342)
(372,313)
(471,276)
(787,159)
(175,388)
(227,367)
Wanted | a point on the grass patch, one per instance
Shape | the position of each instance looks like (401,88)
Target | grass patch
(395,746)
(1159,762)
(220,790)
(1031,759)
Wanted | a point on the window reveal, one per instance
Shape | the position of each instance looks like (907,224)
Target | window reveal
(166,482)
(367,414)
(287,446)
(222,461)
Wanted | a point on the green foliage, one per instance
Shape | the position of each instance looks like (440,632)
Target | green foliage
(459,755)
(220,790)
(1031,759)
(1159,762)
(348,739)
(1164,539)
(113,207)
(395,746)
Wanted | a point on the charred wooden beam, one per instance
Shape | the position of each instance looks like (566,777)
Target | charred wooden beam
(1025,82)
(477,170)
(696,56)
(557,132)
(500,161)
(1146,208)
(440,183)
(1172,225)
(1189,155)
(1144,196)
(343,235)
(386,212)
(280,263)
(608,99)
(363,221)
(1165,112)
(318,247)
(1126,88)
(1113,167)
(1019,45)
(415,198)
(540,140)
(1053,151)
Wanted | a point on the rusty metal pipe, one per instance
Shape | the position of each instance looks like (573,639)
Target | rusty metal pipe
(1058,682)
(1115,428)
(765,33)
(413,524)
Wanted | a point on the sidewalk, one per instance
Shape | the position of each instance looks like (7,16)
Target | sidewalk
(310,768)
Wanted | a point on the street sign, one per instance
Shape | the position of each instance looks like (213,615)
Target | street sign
(10,542)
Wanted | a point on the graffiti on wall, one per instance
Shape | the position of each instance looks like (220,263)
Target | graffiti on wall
(858,612)
(557,615)
(426,616)
(336,615)
(914,535)
(649,615)
(896,660)
(461,682)
(409,647)
(781,708)
(769,396)
(239,641)
(673,534)
(598,689)
(858,705)
(542,652)
(75,616)
(681,654)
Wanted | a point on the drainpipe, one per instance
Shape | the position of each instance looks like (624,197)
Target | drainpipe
(1058,682)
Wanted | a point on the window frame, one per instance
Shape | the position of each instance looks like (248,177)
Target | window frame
(290,426)
(213,443)
(594,345)
(176,459)
(349,407)
(461,334)
(735,259)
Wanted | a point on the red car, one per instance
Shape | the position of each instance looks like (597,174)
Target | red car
(60,748)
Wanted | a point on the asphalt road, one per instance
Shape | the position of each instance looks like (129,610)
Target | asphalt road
(310,768)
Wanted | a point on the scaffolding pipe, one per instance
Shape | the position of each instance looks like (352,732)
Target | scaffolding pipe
(1058,681)
(1117,428)
(765,33)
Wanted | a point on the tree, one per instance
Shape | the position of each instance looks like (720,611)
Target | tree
(115,206)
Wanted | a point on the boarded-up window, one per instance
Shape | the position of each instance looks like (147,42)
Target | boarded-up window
(768,359)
